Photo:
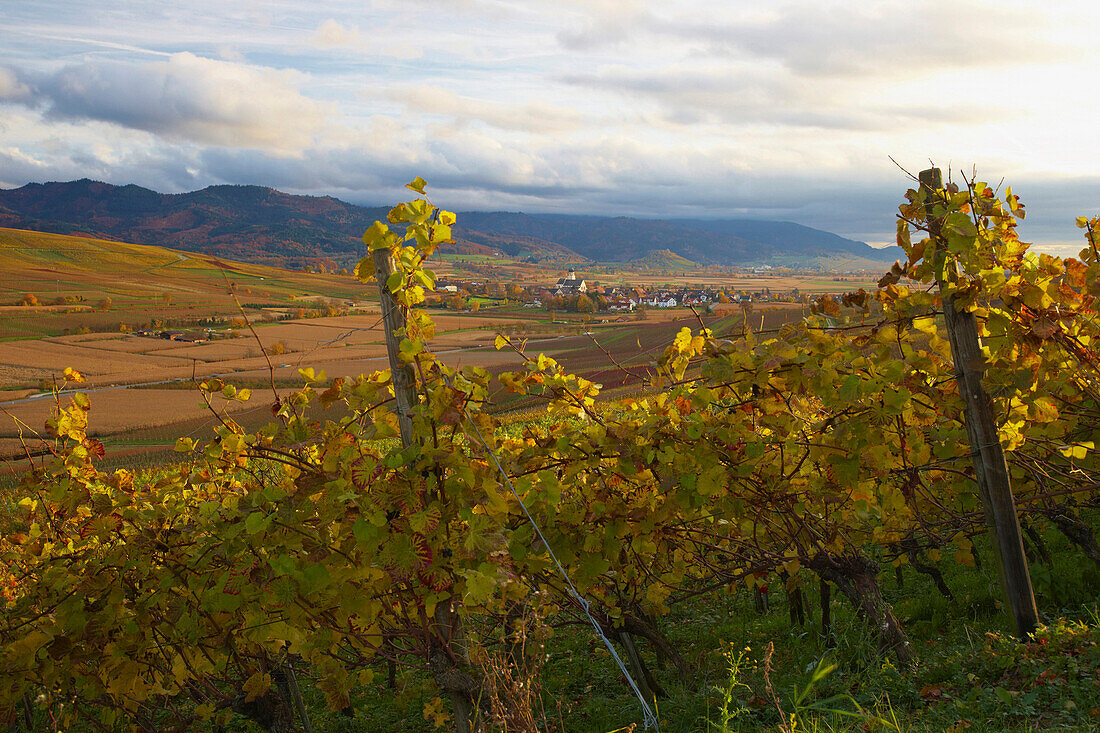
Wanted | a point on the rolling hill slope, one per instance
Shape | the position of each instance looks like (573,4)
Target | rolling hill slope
(84,282)
(664,259)
(35,260)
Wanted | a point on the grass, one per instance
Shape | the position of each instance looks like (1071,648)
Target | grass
(970,673)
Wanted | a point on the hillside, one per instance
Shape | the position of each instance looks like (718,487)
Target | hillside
(242,222)
(73,278)
(258,224)
(35,260)
(812,242)
(664,259)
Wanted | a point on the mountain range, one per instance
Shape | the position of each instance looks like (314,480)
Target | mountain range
(259,224)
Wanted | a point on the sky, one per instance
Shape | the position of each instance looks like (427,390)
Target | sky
(718,108)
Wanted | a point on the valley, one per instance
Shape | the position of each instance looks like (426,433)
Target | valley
(145,324)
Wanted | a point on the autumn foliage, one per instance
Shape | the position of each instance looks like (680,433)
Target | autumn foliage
(821,451)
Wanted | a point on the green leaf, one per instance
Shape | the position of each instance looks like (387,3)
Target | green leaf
(425,278)
(364,270)
(1043,409)
(441,234)
(366,533)
(310,376)
(1078,451)
(408,349)
(234,443)
(283,565)
(593,567)
(417,184)
(313,578)
(375,236)
(394,281)
(256,685)
(256,522)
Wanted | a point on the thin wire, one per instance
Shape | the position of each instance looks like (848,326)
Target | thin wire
(649,719)
(341,337)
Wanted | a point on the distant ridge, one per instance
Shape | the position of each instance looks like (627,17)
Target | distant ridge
(260,224)
(250,223)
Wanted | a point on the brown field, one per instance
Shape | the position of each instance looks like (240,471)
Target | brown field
(39,309)
(12,447)
(56,356)
(110,361)
(117,410)
(13,378)
(779,279)
(139,425)
(118,342)
(140,387)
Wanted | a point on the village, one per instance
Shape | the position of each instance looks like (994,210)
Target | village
(574,293)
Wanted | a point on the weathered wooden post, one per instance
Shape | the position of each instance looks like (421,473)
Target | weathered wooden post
(990,467)
(393,322)
(459,685)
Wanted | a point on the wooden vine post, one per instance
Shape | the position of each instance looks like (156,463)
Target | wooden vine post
(990,467)
(459,685)
(393,323)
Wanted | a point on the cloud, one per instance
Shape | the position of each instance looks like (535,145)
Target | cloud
(610,30)
(533,117)
(170,170)
(11,88)
(187,97)
(814,38)
(612,174)
(742,94)
(331,34)
(888,38)
(784,109)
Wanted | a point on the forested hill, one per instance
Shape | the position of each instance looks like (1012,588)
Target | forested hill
(250,223)
(256,223)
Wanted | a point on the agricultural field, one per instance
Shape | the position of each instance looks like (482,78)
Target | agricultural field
(140,383)
(101,286)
